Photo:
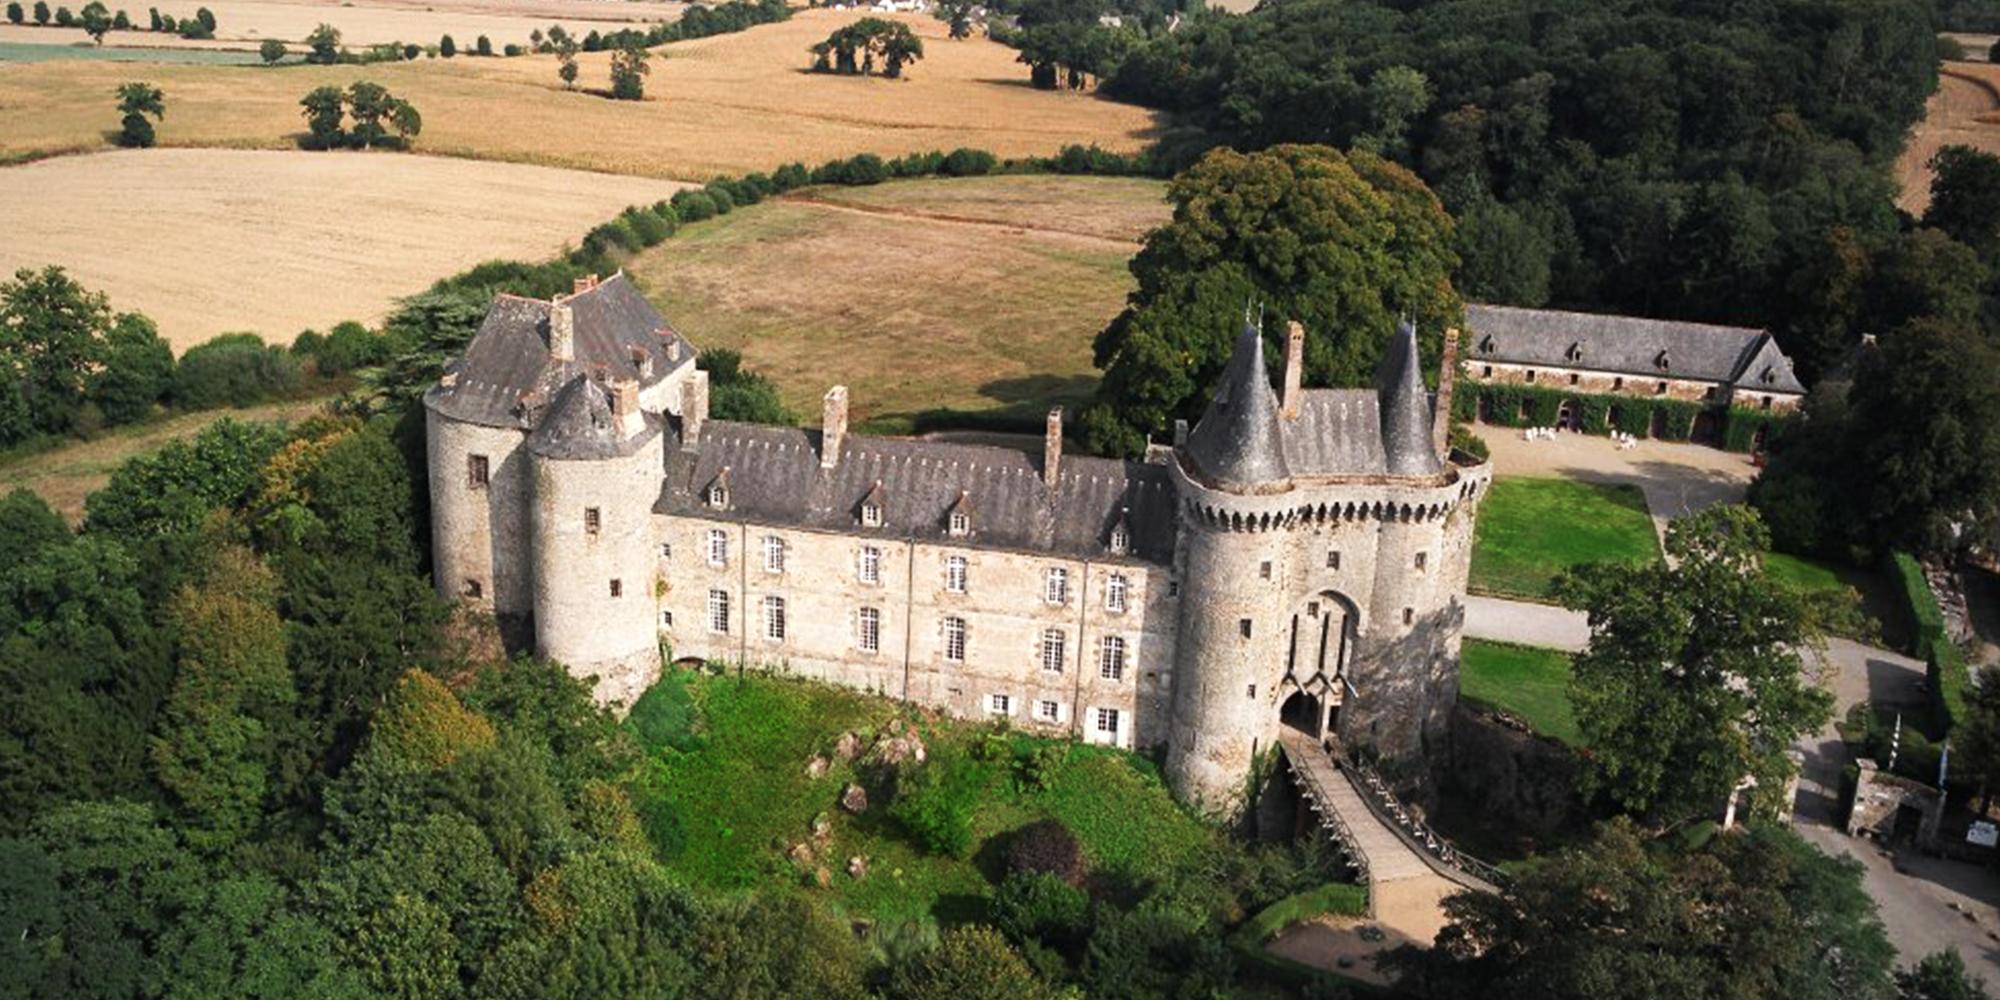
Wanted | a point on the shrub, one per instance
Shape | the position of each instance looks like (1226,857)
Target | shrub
(513,50)
(1740,427)
(790,177)
(693,206)
(1040,907)
(483,46)
(235,369)
(348,346)
(1943,661)
(866,168)
(271,50)
(446,47)
(651,229)
(937,803)
(411,51)
(64,18)
(41,11)
(719,196)
(15,15)
(1046,847)
(964,162)
(759,187)
(616,233)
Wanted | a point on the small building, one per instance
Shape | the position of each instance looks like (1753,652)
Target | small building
(1718,368)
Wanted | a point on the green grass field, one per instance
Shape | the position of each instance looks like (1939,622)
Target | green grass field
(35,52)
(1530,530)
(728,796)
(1803,573)
(1532,684)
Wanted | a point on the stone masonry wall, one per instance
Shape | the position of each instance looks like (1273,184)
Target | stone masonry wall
(479,537)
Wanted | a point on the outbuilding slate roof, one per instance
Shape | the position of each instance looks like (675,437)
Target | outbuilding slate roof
(1631,345)
(507,378)
(775,477)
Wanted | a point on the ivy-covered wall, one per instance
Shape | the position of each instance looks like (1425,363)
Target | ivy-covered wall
(1534,406)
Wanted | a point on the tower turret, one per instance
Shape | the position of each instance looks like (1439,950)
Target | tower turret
(1405,408)
(1236,446)
(597,464)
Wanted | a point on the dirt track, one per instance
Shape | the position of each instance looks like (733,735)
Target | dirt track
(209,241)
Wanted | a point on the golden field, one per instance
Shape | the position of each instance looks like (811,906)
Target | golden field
(207,241)
(978,294)
(244,23)
(1965,111)
(727,104)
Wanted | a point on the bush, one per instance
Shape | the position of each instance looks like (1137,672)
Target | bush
(446,47)
(964,162)
(790,177)
(64,18)
(719,196)
(650,228)
(759,187)
(693,206)
(513,50)
(1046,847)
(483,46)
(135,131)
(271,50)
(938,802)
(15,15)
(347,346)
(617,233)
(1740,427)
(235,369)
(1040,907)
(1943,661)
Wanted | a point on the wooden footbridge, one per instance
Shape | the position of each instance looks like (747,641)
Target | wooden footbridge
(1408,868)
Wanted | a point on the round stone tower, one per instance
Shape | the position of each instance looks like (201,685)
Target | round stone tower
(1324,546)
(596,463)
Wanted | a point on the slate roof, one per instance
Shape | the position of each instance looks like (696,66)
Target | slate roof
(1630,345)
(1406,408)
(775,477)
(1237,442)
(506,377)
(579,425)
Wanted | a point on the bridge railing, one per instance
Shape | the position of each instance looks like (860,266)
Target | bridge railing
(1381,799)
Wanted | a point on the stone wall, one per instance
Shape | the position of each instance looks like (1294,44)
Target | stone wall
(479,535)
(1003,607)
(1584,380)
(1517,780)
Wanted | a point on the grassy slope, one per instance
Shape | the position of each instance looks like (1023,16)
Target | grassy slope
(910,311)
(740,786)
(1532,684)
(727,104)
(1530,530)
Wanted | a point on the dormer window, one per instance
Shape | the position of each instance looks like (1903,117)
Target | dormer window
(1575,352)
(718,495)
(871,515)
(1121,540)
(1663,361)
(959,523)
(1769,375)
(1486,344)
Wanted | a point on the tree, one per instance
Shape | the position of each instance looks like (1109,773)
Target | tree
(1940,976)
(325,45)
(121,21)
(1764,914)
(64,18)
(1965,196)
(974,961)
(206,17)
(325,110)
(271,50)
(735,392)
(96,21)
(137,372)
(15,15)
(1693,679)
(136,101)
(1924,434)
(368,103)
(483,46)
(566,61)
(957,17)
(51,339)
(41,11)
(628,72)
(406,122)
(899,47)
(446,47)
(1345,244)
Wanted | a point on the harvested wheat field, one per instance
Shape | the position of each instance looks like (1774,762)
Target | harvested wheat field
(208,241)
(906,295)
(1965,111)
(728,104)
(244,23)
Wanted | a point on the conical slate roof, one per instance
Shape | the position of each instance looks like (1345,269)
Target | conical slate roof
(1406,408)
(580,425)
(1237,443)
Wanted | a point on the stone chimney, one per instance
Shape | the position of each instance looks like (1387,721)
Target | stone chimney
(583,284)
(642,360)
(1052,448)
(1180,432)
(694,408)
(625,407)
(832,426)
(562,331)
(1295,364)
(1447,382)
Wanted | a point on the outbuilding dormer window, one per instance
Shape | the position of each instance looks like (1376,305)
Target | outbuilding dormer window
(1663,361)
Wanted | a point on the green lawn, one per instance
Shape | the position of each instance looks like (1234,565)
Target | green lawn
(1530,530)
(1532,684)
(728,796)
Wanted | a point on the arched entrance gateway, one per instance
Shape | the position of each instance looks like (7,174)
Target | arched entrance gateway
(1322,639)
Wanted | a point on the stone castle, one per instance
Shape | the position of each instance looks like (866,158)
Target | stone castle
(1298,558)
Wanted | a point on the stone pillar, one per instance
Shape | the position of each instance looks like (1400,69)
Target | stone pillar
(1441,413)
(694,409)
(562,331)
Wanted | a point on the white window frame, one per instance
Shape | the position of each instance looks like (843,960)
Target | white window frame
(1116,589)
(1100,716)
(955,630)
(774,618)
(774,554)
(717,495)
(871,515)
(1055,586)
(1111,657)
(868,566)
(1121,541)
(959,523)
(1048,711)
(868,630)
(1054,650)
(1000,704)
(954,574)
(718,547)
(718,612)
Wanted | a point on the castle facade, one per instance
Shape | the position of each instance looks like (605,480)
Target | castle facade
(1296,558)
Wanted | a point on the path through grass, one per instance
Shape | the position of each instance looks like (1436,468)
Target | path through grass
(1531,530)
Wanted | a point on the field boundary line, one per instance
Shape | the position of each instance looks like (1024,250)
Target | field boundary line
(955,220)
(1992,92)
